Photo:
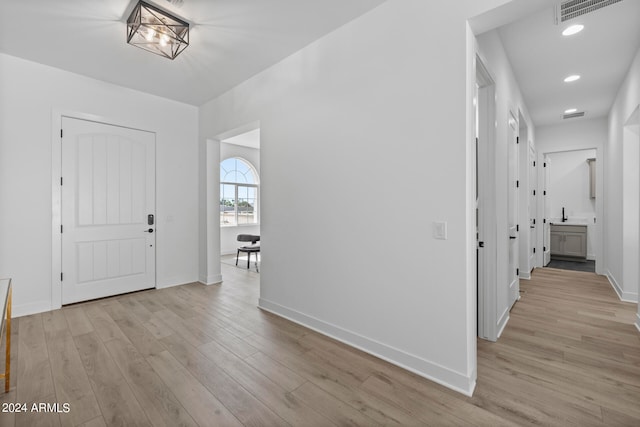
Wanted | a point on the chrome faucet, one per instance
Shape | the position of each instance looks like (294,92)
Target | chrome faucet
(564,218)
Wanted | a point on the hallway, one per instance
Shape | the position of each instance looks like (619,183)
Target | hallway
(570,354)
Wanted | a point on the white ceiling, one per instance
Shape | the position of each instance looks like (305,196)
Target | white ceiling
(249,139)
(230,40)
(602,53)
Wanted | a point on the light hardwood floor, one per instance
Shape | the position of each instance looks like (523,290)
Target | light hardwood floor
(196,355)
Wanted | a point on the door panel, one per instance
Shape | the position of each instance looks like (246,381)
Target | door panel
(533,206)
(107,193)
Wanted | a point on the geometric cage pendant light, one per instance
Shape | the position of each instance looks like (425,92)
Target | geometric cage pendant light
(157,31)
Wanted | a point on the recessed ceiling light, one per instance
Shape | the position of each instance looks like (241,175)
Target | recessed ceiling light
(570,110)
(572,78)
(573,29)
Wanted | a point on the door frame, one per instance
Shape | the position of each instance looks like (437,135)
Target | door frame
(486,277)
(56,191)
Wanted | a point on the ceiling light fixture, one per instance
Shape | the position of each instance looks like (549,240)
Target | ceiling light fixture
(157,31)
(572,78)
(573,29)
(570,110)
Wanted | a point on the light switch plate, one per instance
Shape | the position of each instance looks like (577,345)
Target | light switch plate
(440,230)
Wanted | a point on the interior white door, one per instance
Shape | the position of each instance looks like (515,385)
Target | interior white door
(513,185)
(533,205)
(546,239)
(108,202)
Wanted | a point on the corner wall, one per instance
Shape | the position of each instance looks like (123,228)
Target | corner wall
(366,130)
(31,92)
(626,102)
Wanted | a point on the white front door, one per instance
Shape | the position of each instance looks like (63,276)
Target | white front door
(513,228)
(108,203)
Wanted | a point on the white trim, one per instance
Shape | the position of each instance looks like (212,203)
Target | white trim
(525,276)
(215,279)
(432,371)
(56,195)
(622,295)
(638,322)
(30,308)
(502,323)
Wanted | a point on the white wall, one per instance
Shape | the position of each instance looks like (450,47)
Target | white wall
(508,100)
(626,102)
(569,188)
(31,93)
(228,235)
(373,112)
(573,136)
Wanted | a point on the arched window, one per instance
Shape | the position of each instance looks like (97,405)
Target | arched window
(238,193)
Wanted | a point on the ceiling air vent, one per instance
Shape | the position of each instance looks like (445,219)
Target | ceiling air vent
(573,115)
(570,9)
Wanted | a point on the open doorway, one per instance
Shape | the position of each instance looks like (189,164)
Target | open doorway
(240,200)
(570,203)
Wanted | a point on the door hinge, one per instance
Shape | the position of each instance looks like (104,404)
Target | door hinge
(544,249)
(544,220)
(517,271)
(534,221)
(534,163)
(544,193)
(517,183)
(544,165)
(517,140)
(534,250)
(60,133)
(61,228)
(61,277)
(60,180)
(534,192)
(517,227)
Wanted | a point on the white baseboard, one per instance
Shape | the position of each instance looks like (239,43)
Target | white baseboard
(502,323)
(19,310)
(624,296)
(525,276)
(432,371)
(214,279)
(638,322)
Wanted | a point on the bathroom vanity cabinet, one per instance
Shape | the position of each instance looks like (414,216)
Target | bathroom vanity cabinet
(569,241)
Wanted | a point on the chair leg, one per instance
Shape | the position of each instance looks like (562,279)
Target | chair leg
(257,271)
(248,259)
(237,255)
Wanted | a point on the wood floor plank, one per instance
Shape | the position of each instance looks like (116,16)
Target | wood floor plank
(70,379)
(157,400)
(249,410)
(336,410)
(35,381)
(275,371)
(117,401)
(282,402)
(196,399)
(77,319)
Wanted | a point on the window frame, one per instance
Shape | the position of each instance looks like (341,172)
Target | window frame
(236,185)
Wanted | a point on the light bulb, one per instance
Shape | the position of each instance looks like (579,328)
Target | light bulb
(150,33)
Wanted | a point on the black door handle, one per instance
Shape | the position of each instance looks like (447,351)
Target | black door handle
(149,230)
(512,237)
